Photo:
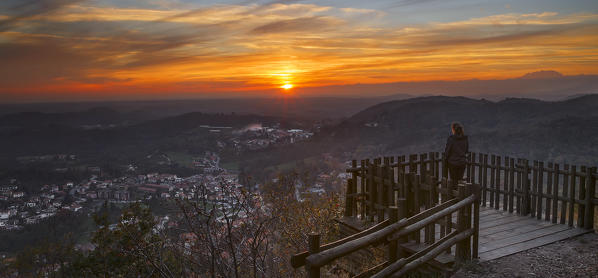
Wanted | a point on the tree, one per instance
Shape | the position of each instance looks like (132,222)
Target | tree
(47,259)
(226,232)
(131,248)
(221,231)
(295,219)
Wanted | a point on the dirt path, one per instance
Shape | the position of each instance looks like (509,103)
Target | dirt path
(575,257)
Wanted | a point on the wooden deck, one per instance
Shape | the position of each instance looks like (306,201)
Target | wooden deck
(501,234)
(520,204)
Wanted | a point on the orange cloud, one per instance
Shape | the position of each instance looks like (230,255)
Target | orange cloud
(249,48)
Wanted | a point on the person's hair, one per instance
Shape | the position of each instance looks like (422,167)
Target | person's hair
(458,128)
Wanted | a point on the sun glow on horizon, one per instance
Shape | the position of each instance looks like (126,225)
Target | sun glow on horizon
(187,49)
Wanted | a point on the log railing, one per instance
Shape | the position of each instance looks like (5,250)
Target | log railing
(404,223)
(406,195)
(561,194)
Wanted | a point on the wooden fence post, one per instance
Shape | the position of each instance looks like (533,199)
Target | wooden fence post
(434,201)
(462,218)
(548,202)
(533,190)
(480,175)
(505,193)
(512,184)
(525,184)
(413,163)
(386,194)
(363,199)
(422,165)
(431,200)
(444,166)
(352,187)
(402,213)
(380,192)
(572,195)
(476,222)
(565,193)
(485,180)
(473,167)
(416,202)
(519,190)
(393,217)
(468,221)
(581,207)
(492,179)
(497,183)
(349,199)
(555,194)
(391,198)
(506,184)
(590,193)
(314,248)
(438,160)
(448,220)
(432,164)
(372,192)
(402,159)
(540,188)
(468,167)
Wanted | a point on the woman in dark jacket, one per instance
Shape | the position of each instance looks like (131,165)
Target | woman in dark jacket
(457,146)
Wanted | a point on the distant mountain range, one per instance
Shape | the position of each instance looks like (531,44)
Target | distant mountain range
(542,74)
(107,134)
(287,106)
(336,101)
(563,131)
(543,85)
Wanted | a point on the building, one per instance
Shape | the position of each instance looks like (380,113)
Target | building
(104,194)
(121,195)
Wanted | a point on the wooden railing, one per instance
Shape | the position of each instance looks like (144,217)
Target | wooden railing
(565,195)
(404,222)
(560,194)
(404,196)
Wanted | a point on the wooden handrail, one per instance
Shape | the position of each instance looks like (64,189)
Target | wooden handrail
(433,218)
(432,253)
(402,262)
(298,260)
(518,185)
(327,256)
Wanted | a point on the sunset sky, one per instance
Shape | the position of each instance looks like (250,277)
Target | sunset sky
(126,49)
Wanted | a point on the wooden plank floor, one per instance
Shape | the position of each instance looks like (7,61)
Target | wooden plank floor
(502,233)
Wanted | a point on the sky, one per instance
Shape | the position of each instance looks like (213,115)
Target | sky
(133,49)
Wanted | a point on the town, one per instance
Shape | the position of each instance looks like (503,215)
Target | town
(17,208)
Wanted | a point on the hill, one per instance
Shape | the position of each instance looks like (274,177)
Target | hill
(287,106)
(542,74)
(93,117)
(560,131)
(107,135)
(564,130)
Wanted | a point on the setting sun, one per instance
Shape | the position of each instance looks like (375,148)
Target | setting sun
(287,86)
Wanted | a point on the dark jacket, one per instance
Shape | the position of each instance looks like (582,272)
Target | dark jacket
(455,150)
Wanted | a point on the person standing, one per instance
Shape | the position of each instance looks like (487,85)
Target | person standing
(457,146)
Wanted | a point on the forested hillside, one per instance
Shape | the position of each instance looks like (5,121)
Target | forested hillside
(565,130)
